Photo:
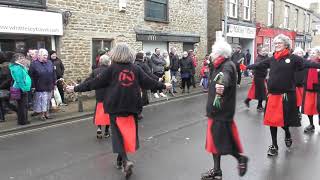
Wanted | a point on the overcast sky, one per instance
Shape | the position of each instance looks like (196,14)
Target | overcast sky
(303,3)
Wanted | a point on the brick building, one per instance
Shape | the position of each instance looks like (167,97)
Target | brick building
(280,16)
(95,24)
(240,26)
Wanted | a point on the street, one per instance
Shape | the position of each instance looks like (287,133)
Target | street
(172,141)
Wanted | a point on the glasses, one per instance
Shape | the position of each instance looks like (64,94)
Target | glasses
(277,43)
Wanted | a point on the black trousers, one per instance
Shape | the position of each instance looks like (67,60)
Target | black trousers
(186,81)
(22,109)
(61,91)
(160,75)
(193,81)
(239,76)
(5,102)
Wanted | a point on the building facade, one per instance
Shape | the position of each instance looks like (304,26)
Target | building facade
(315,25)
(241,29)
(93,25)
(281,16)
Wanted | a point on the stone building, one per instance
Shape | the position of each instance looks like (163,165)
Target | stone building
(96,24)
(240,25)
(315,26)
(284,17)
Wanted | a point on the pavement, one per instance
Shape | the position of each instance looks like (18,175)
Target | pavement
(172,138)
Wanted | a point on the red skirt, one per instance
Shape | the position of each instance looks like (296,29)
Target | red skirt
(299,94)
(252,91)
(222,138)
(274,115)
(100,117)
(310,103)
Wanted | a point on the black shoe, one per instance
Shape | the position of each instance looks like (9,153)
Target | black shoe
(272,151)
(260,109)
(119,162)
(127,168)
(106,134)
(35,114)
(212,175)
(140,116)
(247,103)
(48,117)
(243,165)
(99,134)
(288,142)
(174,91)
(24,123)
(309,129)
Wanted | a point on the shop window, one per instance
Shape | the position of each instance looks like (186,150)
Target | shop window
(270,12)
(29,3)
(99,45)
(156,10)
(233,8)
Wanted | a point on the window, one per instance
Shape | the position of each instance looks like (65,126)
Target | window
(247,10)
(270,13)
(29,3)
(296,19)
(156,10)
(98,45)
(307,22)
(233,8)
(286,17)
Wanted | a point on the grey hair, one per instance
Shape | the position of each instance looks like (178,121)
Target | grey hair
(122,53)
(104,60)
(285,39)
(297,50)
(221,48)
(42,52)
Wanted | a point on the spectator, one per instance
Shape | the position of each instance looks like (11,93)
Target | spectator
(59,69)
(238,58)
(21,81)
(167,74)
(205,75)
(44,78)
(147,60)
(174,67)
(194,63)
(158,64)
(186,70)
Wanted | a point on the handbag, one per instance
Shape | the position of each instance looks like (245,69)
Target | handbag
(15,93)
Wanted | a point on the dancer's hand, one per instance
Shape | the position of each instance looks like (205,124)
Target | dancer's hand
(219,89)
(70,89)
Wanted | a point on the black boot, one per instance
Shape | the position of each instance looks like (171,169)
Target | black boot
(212,175)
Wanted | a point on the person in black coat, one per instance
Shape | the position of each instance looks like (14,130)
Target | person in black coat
(281,109)
(222,134)
(258,88)
(139,61)
(59,69)
(237,58)
(186,70)
(174,67)
(124,81)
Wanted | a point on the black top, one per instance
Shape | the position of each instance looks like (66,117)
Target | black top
(58,66)
(124,82)
(282,72)
(260,72)
(145,68)
(236,57)
(228,105)
(186,65)
(174,62)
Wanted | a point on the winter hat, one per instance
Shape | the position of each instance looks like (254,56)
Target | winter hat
(51,52)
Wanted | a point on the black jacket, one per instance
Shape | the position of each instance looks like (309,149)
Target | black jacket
(260,72)
(5,77)
(58,66)
(145,68)
(174,62)
(235,58)
(228,104)
(186,65)
(158,63)
(282,72)
(124,83)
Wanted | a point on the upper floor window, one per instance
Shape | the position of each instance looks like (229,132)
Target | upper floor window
(29,3)
(156,10)
(307,22)
(247,10)
(233,8)
(286,17)
(296,19)
(270,13)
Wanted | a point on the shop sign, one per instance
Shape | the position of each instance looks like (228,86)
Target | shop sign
(21,21)
(241,31)
(167,38)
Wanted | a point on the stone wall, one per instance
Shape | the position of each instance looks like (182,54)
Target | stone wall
(102,19)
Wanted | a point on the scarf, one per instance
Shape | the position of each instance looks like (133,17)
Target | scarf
(312,78)
(218,61)
(280,54)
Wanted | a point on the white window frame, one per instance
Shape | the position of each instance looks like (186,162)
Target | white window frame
(296,19)
(286,17)
(270,13)
(247,10)
(233,5)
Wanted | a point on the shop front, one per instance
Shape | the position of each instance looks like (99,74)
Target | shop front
(265,37)
(23,29)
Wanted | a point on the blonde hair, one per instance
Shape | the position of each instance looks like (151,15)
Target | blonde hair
(122,53)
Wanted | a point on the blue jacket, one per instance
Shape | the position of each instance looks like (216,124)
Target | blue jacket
(43,76)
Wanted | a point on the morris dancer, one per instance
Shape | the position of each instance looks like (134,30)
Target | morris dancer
(311,99)
(124,81)
(222,133)
(258,88)
(281,108)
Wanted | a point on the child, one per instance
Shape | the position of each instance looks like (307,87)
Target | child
(205,75)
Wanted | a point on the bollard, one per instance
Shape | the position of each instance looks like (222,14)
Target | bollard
(80,103)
